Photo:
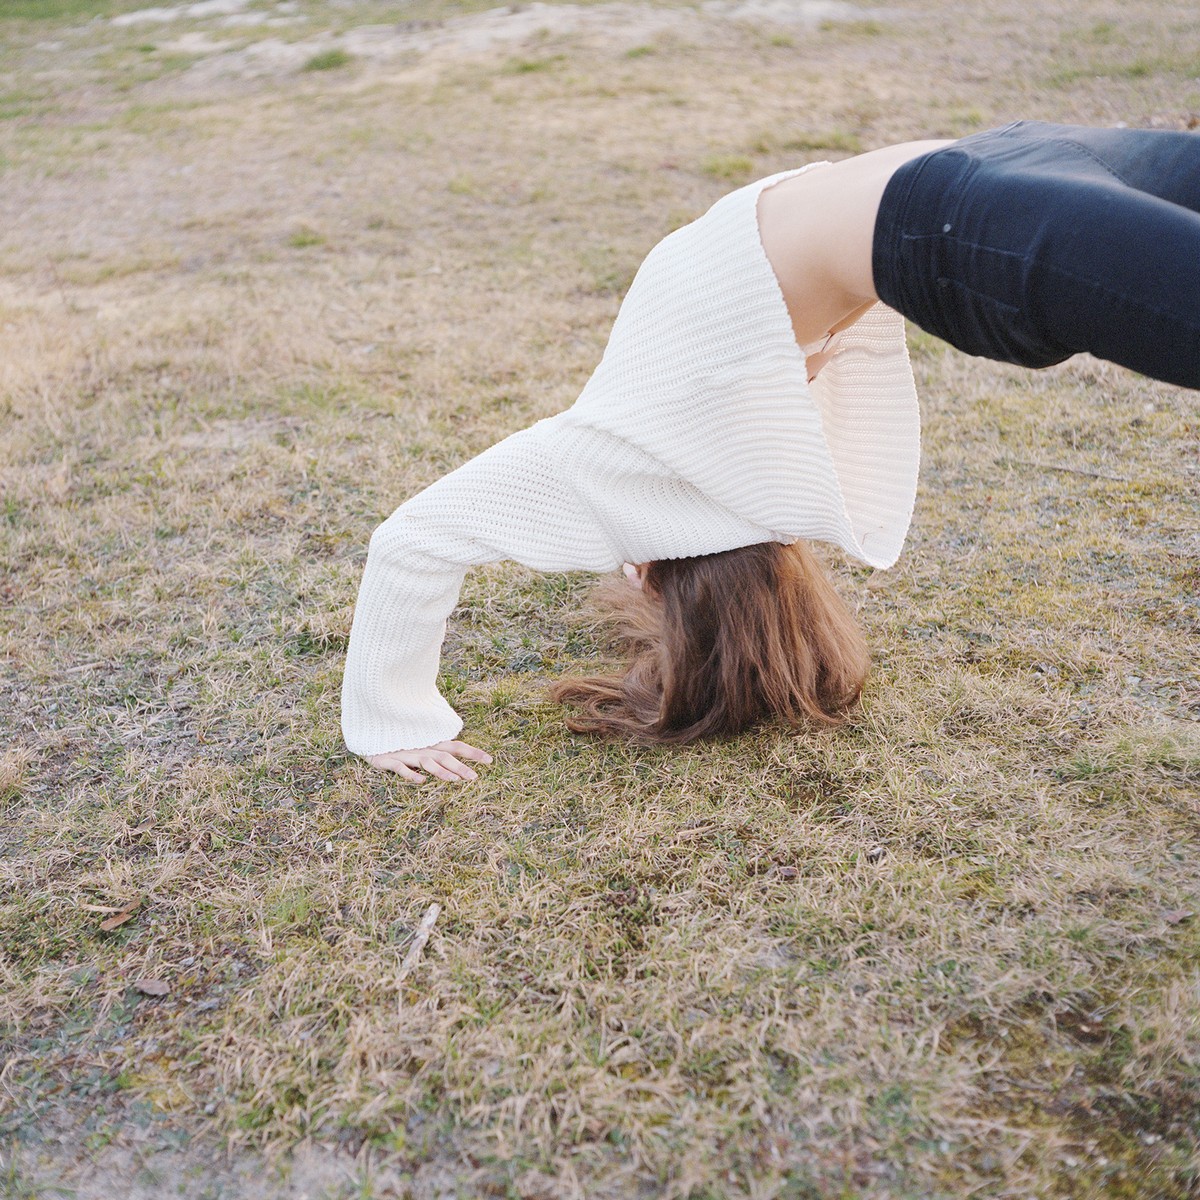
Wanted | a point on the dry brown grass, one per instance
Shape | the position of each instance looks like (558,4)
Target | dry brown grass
(949,951)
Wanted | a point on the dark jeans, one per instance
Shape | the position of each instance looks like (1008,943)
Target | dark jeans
(1032,242)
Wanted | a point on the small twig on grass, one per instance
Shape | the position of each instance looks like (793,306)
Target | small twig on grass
(1044,466)
(422,936)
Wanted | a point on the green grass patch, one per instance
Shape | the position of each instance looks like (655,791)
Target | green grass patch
(532,66)
(731,168)
(784,142)
(1140,67)
(328,60)
(58,10)
(867,28)
(306,236)
(15,105)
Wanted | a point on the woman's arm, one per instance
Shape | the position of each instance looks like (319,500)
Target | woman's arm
(390,700)
(511,502)
(389,692)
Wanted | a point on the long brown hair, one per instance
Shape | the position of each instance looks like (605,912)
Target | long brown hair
(720,642)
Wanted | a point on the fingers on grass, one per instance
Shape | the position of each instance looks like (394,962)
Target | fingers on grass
(401,768)
(446,766)
(439,763)
(465,751)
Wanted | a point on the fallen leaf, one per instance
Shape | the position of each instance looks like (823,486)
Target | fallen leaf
(694,831)
(1175,916)
(151,987)
(124,915)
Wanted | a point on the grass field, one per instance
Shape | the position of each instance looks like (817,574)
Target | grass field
(266,269)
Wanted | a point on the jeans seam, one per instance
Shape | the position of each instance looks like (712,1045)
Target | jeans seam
(965,287)
(1121,296)
(1065,274)
(1089,153)
(1083,149)
(1109,293)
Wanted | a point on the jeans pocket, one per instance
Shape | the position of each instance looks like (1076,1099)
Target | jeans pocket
(993,328)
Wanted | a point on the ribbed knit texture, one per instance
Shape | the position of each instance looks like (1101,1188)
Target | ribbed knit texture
(698,432)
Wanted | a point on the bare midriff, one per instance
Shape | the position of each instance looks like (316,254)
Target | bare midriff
(817,230)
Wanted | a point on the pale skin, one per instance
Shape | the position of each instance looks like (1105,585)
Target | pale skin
(817,230)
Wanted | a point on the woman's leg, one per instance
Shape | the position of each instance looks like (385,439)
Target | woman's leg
(1160,162)
(1027,245)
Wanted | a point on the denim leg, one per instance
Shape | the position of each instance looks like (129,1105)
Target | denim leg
(1024,245)
(1160,162)
(1111,271)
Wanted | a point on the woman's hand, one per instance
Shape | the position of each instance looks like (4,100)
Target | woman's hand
(441,761)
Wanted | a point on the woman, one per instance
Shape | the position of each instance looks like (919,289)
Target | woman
(755,391)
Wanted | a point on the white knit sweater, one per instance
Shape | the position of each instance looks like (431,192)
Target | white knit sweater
(698,432)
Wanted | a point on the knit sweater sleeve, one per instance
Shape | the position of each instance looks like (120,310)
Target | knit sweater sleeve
(511,502)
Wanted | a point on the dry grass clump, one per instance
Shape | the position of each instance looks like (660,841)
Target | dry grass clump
(948,951)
